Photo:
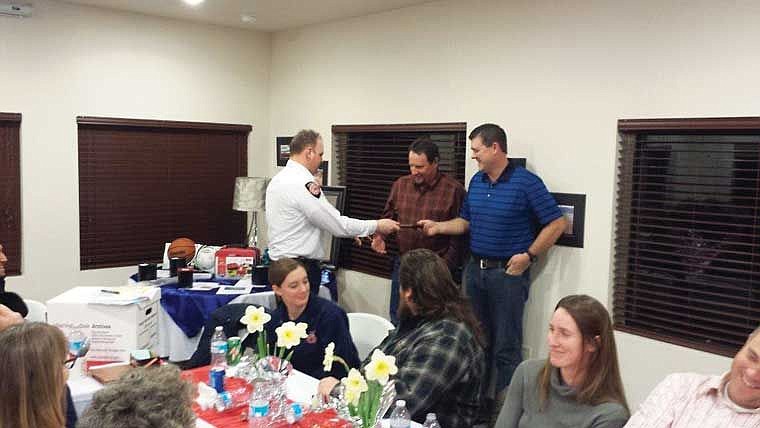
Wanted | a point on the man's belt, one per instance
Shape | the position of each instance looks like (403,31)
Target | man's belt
(490,263)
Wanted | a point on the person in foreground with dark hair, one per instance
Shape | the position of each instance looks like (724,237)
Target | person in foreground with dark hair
(579,385)
(438,345)
(33,376)
(151,397)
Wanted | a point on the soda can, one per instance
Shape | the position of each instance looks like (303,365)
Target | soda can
(234,351)
(216,378)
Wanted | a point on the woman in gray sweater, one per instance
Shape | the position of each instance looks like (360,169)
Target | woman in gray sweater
(579,384)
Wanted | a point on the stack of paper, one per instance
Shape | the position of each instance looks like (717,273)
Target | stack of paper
(120,295)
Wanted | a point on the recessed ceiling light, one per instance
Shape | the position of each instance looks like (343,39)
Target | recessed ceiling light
(193,2)
(247,18)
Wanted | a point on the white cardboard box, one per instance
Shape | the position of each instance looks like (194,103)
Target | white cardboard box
(114,330)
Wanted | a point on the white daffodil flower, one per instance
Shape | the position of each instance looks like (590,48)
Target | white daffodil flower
(355,383)
(381,367)
(289,334)
(255,318)
(329,356)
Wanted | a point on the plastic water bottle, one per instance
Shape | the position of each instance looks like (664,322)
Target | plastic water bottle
(258,408)
(431,421)
(219,348)
(76,340)
(400,417)
(232,399)
(294,413)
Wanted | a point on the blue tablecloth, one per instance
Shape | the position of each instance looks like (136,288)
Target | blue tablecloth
(191,309)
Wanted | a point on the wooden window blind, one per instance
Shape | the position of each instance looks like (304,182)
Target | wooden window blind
(687,262)
(143,183)
(369,159)
(10,190)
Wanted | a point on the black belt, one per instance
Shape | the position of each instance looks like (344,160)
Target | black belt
(490,263)
(306,260)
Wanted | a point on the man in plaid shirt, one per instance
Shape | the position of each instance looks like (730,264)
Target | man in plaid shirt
(425,193)
(438,345)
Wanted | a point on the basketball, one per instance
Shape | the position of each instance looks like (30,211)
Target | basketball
(182,247)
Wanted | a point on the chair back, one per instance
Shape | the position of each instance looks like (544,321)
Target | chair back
(367,331)
(263,298)
(37,311)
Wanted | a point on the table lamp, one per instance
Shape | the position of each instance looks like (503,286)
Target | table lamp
(250,195)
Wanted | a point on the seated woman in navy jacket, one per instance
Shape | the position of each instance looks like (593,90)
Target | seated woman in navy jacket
(327,322)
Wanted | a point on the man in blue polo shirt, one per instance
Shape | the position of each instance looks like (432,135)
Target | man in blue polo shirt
(504,207)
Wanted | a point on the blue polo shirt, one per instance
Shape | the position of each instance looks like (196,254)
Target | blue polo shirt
(505,215)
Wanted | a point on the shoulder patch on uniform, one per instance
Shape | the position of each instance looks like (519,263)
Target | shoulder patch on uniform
(314,188)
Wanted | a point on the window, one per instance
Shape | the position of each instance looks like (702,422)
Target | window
(143,183)
(10,190)
(687,262)
(369,159)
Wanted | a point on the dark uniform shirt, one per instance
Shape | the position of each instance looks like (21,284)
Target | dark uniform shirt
(327,322)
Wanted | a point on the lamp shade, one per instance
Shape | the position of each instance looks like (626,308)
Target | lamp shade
(250,193)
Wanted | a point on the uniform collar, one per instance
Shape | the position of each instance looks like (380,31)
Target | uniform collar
(306,311)
(298,167)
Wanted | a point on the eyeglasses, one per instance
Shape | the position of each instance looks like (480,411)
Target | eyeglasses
(69,363)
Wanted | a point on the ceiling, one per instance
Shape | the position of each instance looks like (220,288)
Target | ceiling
(270,15)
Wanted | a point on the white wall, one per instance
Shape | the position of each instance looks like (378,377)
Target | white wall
(557,76)
(67,61)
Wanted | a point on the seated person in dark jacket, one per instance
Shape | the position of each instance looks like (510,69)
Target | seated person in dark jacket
(327,322)
(12,301)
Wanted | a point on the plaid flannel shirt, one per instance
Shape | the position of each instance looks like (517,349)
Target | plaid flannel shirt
(439,200)
(440,369)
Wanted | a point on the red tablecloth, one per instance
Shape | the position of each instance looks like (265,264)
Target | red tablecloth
(236,418)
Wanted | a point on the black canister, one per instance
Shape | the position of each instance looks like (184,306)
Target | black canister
(146,271)
(185,277)
(176,263)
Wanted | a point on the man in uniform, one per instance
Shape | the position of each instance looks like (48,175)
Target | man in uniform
(298,213)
